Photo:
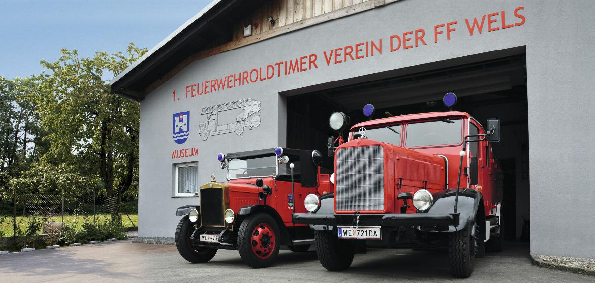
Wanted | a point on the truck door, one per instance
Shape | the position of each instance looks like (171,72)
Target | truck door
(473,153)
(285,200)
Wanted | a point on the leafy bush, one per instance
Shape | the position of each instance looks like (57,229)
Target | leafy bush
(29,237)
(69,232)
(102,230)
(68,235)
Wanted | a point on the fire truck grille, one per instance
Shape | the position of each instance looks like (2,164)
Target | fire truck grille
(211,207)
(360,179)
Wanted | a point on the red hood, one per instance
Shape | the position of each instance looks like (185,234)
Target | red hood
(248,185)
(415,169)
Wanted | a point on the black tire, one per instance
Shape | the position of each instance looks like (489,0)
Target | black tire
(259,254)
(299,248)
(334,254)
(187,251)
(461,255)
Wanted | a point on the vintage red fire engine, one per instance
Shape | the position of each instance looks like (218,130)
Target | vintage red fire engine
(412,181)
(253,211)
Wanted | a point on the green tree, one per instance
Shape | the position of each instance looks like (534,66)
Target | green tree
(44,179)
(8,122)
(21,137)
(89,127)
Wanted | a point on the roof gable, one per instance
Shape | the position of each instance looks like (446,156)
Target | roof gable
(219,27)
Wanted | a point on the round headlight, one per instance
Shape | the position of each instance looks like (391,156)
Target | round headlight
(229,216)
(333,178)
(422,200)
(311,202)
(337,121)
(193,215)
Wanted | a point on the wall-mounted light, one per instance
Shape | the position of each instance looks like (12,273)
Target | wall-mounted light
(248,30)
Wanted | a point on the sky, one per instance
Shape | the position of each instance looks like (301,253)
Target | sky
(35,30)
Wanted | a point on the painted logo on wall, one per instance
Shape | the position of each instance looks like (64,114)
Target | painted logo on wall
(249,118)
(181,126)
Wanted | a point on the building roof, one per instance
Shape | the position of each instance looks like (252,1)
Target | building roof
(212,24)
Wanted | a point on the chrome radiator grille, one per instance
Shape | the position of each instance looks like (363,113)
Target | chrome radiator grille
(211,207)
(360,179)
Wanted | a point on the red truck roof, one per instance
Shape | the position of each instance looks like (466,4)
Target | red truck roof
(410,118)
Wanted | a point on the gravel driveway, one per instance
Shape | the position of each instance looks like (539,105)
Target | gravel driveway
(131,262)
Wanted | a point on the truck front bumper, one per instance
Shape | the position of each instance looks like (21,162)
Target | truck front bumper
(385,220)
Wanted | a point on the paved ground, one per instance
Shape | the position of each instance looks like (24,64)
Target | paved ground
(130,262)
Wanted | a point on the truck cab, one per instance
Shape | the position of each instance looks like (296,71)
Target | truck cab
(440,134)
(252,211)
(419,181)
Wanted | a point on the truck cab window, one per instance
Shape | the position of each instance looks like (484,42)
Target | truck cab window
(389,134)
(444,132)
(252,167)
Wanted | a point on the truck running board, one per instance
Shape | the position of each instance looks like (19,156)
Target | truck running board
(303,242)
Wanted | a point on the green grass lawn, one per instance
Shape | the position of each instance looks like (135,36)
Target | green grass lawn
(6,227)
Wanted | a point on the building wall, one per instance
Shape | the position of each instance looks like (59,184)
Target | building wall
(557,36)
(560,69)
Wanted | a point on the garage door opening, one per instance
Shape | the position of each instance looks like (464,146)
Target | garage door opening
(494,88)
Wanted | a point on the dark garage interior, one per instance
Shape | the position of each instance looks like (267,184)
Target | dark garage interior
(494,88)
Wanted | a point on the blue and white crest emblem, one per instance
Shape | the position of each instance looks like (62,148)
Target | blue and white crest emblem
(181,127)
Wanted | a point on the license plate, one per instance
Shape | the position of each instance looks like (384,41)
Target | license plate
(359,233)
(209,238)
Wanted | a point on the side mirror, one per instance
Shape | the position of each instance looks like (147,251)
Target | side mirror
(493,130)
(259,183)
(316,158)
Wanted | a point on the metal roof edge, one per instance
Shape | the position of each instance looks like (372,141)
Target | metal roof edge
(164,42)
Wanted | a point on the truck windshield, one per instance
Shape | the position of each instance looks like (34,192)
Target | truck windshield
(390,134)
(441,132)
(252,167)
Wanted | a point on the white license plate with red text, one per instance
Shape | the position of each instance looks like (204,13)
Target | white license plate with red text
(359,232)
(209,238)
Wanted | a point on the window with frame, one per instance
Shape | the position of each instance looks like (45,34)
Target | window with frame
(434,133)
(388,134)
(186,179)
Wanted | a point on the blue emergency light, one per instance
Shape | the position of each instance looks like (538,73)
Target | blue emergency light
(368,110)
(450,99)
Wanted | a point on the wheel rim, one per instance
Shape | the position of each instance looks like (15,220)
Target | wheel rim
(263,240)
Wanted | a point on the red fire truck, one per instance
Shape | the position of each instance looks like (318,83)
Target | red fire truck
(413,181)
(253,211)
